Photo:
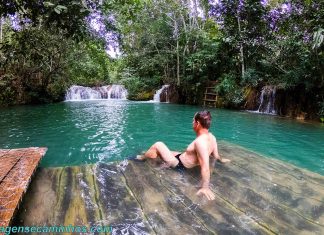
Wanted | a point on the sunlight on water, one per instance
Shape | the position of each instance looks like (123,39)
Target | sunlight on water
(108,130)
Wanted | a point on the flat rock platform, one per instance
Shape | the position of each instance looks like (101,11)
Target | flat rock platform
(16,168)
(254,195)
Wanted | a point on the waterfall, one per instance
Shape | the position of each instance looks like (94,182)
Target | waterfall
(158,93)
(267,100)
(104,92)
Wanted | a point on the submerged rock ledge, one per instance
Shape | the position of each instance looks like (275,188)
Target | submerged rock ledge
(254,195)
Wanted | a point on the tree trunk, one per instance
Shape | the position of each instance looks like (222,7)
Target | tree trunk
(241,44)
(1,29)
(195,13)
(178,64)
(242,60)
(176,34)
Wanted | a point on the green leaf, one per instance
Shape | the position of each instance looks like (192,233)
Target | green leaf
(318,38)
(57,10)
(61,7)
(49,4)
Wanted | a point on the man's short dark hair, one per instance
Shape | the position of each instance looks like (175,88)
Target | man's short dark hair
(204,118)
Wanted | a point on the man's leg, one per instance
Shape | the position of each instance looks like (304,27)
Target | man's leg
(160,149)
(152,152)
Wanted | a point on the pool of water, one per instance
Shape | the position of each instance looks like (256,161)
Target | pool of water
(107,130)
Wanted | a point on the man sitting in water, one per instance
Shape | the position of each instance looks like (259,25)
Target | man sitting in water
(197,153)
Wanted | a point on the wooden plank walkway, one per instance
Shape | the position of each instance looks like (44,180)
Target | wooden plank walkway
(254,195)
(16,169)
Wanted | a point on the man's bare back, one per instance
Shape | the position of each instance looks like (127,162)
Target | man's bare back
(190,159)
(197,153)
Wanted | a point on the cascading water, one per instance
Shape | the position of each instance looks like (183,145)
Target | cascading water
(267,100)
(104,92)
(158,93)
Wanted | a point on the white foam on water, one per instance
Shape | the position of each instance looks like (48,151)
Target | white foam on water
(129,228)
(81,93)
(246,221)
(158,93)
(122,165)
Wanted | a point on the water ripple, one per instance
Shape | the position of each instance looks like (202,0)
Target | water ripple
(86,132)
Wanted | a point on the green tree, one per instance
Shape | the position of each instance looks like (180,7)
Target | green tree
(47,46)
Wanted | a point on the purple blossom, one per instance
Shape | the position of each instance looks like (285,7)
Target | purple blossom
(17,23)
(264,2)
(97,24)
(240,5)
(307,38)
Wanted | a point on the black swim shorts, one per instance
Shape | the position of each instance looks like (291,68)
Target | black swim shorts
(180,166)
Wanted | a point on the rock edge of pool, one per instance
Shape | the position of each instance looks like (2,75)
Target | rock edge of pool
(254,195)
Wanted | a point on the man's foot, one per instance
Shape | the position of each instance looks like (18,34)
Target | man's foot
(225,160)
(140,157)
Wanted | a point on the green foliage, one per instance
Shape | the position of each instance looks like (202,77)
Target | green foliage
(321,109)
(251,78)
(166,39)
(318,38)
(8,95)
(229,89)
(165,42)
(35,58)
(88,64)
(201,63)
(55,90)
(239,43)
(134,86)
(137,88)
(68,16)
(49,49)
(42,64)
(262,45)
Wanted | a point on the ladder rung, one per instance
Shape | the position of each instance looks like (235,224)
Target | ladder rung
(210,93)
(210,100)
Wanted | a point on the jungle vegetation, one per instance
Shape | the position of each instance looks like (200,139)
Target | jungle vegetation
(46,46)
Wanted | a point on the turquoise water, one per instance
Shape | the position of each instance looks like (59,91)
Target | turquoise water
(86,132)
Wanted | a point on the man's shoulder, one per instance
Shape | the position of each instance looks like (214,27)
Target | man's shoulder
(212,136)
(203,139)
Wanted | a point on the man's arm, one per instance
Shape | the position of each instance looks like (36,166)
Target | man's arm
(203,158)
(217,156)
(212,162)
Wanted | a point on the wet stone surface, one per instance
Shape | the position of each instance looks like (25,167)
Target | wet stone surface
(254,195)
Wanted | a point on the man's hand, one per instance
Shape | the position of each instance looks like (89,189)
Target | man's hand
(207,192)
